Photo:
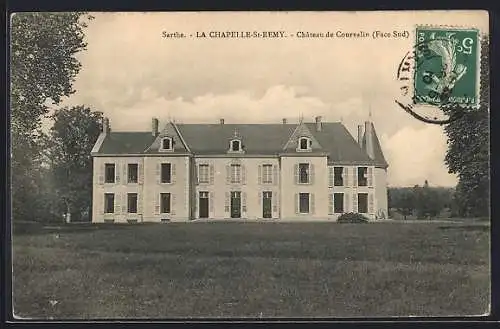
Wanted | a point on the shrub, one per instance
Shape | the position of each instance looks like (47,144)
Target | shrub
(351,217)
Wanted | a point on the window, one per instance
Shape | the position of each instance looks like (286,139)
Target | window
(203,173)
(338,203)
(132,203)
(267,174)
(362,179)
(235,173)
(165,203)
(166,143)
(304,203)
(133,172)
(166,173)
(338,180)
(363,203)
(304,143)
(235,146)
(303,173)
(109,172)
(109,203)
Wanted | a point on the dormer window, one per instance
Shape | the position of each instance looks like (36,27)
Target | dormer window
(235,146)
(304,144)
(166,144)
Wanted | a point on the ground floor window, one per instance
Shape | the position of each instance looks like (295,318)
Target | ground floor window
(165,203)
(304,203)
(338,203)
(363,203)
(109,203)
(132,203)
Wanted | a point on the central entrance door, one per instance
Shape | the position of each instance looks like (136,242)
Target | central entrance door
(235,204)
(266,204)
(203,205)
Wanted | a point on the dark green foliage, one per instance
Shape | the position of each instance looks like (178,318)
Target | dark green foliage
(72,137)
(43,68)
(468,149)
(351,217)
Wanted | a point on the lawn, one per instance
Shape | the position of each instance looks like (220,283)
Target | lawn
(252,270)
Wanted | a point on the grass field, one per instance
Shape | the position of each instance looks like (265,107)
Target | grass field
(252,270)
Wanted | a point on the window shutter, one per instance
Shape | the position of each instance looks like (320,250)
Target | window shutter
(212,174)
(345,176)
(211,201)
(355,176)
(125,173)
(275,174)
(330,176)
(124,203)
(172,204)
(100,204)
(116,200)
(157,203)
(140,169)
(197,204)
(259,175)
(296,169)
(158,173)
(244,202)
(275,202)
(311,174)
(330,204)
(313,210)
(139,203)
(259,198)
(370,176)
(296,203)
(346,202)
(243,174)
(117,173)
(355,202)
(226,202)
(173,173)
(228,174)
(100,175)
(370,203)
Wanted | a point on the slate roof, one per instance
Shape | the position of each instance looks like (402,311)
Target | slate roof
(257,139)
(379,158)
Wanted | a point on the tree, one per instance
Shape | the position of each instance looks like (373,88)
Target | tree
(43,68)
(71,139)
(468,148)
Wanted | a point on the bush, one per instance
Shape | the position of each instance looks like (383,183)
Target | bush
(351,217)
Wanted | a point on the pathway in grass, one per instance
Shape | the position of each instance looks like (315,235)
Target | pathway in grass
(252,270)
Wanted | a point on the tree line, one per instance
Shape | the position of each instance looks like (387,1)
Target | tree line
(52,171)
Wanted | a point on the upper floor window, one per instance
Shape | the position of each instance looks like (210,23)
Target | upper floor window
(267,174)
(203,173)
(235,146)
(132,172)
(338,179)
(109,172)
(235,173)
(166,144)
(304,144)
(362,176)
(166,173)
(304,173)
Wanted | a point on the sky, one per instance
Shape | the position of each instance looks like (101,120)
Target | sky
(131,74)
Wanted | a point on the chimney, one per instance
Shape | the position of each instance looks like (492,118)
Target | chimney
(221,121)
(284,121)
(369,140)
(318,123)
(360,135)
(105,125)
(154,127)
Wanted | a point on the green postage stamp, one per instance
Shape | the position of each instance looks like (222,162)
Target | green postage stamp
(447,65)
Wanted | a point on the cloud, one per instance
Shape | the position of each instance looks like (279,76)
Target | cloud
(413,153)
